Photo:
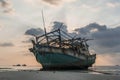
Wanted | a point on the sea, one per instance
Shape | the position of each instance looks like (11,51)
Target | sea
(110,70)
(4,68)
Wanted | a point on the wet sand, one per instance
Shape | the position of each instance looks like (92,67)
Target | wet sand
(55,75)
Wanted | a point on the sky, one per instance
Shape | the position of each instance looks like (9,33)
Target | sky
(97,19)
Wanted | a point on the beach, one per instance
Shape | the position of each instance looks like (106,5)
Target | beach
(55,75)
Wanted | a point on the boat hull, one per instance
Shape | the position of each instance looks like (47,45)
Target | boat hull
(60,61)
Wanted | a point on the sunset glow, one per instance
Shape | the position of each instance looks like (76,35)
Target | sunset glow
(18,16)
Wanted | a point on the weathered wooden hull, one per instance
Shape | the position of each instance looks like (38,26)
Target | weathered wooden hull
(56,60)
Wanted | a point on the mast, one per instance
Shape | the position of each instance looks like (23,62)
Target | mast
(44,27)
(60,40)
(59,37)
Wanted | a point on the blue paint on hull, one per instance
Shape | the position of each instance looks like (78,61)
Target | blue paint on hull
(63,61)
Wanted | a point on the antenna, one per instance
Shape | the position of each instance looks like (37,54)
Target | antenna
(44,26)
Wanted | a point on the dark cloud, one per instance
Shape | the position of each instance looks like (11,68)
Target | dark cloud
(39,31)
(7,44)
(106,40)
(63,27)
(87,29)
(6,5)
(34,32)
(52,2)
(57,25)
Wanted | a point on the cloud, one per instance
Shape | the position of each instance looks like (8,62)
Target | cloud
(34,31)
(108,59)
(27,41)
(57,25)
(113,4)
(6,44)
(90,28)
(63,27)
(106,40)
(90,7)
(57,2)
(49,2)
(38,31)
(7,6)
(53,2)
(4,3)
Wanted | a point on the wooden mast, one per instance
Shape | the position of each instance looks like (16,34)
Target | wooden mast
(44,27)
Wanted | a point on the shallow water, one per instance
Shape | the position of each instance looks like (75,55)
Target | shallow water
(115,70)
(18,68)
(108,69)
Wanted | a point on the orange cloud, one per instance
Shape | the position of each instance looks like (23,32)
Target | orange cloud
(107,59)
